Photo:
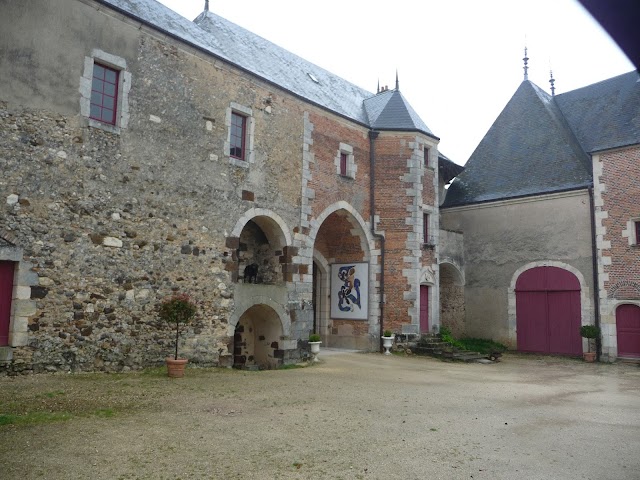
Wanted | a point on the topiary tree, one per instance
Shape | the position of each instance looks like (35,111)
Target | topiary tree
(589,332)
(177,309)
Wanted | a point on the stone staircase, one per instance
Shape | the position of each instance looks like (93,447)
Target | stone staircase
(432,345)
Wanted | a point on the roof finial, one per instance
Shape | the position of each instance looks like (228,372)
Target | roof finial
(397,83)
(526,67)
(378,90)
(206,5)
(552,81)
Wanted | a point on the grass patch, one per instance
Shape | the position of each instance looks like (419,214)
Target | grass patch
(34,418)
(481,345)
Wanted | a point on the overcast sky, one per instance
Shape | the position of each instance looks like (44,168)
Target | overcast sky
(459,61)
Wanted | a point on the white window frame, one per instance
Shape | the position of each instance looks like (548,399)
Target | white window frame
(124,86)
(630,232)
(249,156)
(352,168)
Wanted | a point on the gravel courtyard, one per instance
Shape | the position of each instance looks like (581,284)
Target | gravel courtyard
(353,416)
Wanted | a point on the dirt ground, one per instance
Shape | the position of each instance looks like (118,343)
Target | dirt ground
(353,416)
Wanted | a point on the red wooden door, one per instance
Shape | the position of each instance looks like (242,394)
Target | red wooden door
(548,311)
(628,328)
(6,292)
(424,308)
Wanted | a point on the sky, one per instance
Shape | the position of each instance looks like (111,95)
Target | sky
(458,61)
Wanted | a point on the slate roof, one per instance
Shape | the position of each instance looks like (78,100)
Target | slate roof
(252,53)
(606,114)
(539,143)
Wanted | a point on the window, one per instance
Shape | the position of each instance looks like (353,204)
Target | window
(637,225)
(345,161)
(343,164)
(238,147)
(425,228)
(426,156)
(104,94)
(104,91)
(238,135)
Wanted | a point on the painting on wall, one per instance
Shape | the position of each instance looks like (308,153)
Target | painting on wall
(350,291)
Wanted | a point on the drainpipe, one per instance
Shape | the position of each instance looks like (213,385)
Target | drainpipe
(372,207)
(594,255)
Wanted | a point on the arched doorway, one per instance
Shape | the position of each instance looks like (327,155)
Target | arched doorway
(340,244)
(256,339)
(452,308)
(628,330)
(548,311)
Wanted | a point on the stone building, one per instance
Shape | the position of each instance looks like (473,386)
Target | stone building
(143,155)
(548,204)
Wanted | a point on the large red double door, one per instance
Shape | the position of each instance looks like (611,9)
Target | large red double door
(548,314)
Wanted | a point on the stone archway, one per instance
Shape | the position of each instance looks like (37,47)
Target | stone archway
(258,338)
(452,307)
(340,236)
(260,243)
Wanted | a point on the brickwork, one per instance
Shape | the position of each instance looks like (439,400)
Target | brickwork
(617,200)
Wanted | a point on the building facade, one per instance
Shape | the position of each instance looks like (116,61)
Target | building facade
(145,155)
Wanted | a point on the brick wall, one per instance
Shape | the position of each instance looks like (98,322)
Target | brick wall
(617,203)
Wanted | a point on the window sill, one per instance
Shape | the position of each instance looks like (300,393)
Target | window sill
(104,126)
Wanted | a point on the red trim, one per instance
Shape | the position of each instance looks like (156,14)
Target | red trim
(238,135)
(7,270)
(343,164)
(104,94)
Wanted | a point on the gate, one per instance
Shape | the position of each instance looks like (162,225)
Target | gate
(548,310)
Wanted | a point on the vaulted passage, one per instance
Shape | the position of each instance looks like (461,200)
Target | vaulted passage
(342,284)
(256,341)
(548,311)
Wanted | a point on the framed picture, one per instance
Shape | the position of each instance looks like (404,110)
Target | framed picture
(350,291)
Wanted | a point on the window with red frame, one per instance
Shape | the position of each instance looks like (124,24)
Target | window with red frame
(238,135)
(343,164)
(104,94)
(425,228)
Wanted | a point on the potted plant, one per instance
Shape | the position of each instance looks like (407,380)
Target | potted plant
(387,341)
(590,332)
(177,309)
(314,343)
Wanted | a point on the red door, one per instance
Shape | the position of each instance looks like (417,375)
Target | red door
(424,309)
(628,327)
(548,311)
(6,292)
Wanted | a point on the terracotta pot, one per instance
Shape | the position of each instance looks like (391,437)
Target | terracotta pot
(589,356)
(175,368)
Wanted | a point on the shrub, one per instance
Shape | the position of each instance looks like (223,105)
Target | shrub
(590,331)
(387,333)
(314,337)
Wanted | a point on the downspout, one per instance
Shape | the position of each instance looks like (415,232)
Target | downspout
(372,207)
(594,255)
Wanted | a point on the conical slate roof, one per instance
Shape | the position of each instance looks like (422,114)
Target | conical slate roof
(252,53)
(528,150)
(389,110)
